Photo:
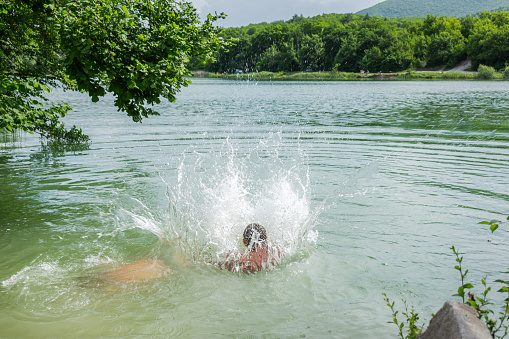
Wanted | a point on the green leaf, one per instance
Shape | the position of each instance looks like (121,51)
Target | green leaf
(461,291)
(124,8)
(484,223)
(493,228)
(468,285)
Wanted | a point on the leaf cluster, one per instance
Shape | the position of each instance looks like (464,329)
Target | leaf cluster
(494,224)
(481,303)
(22,103)
(138,50)
(411,316)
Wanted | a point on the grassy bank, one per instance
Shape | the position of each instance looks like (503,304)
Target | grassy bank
(345,76)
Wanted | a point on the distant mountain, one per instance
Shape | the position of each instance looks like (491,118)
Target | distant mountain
(421,8)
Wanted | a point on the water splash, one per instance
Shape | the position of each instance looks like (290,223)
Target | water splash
(215,195)
(218,195)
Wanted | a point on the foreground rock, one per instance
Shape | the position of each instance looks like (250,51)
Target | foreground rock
(456,320)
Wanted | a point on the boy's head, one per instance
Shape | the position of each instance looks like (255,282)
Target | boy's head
(255,234)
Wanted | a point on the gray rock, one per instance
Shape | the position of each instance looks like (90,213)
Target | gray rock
(456,320)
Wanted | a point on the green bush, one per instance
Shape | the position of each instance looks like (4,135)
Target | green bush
(486,72)
(506,72)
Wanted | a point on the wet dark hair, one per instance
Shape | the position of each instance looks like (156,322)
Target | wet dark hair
(255,234)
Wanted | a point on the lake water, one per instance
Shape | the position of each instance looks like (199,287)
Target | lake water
(363,186)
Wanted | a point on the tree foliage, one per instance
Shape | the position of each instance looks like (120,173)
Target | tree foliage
(349,42)
(489,40)
(282,58)
(137,50)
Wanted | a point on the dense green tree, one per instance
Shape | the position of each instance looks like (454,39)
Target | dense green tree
(499,18)
(445,41)
(271,35)
(310,27)
(396,52)
(489,44)
(311,53)
(238,56)
(375,47)
(446,48)
(331,38)
(135,49)
(467,25)
(276,59)
(347,56)
(347,18)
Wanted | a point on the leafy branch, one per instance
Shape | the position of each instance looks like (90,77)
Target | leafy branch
(137,50)
(461,289)
(411,318)
(494,224)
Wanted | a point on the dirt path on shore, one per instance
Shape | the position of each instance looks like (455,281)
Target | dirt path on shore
(462,67)
(459,68)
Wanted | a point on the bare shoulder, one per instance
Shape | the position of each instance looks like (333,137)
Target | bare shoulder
(252,261)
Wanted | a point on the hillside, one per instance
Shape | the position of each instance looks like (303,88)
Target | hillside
(420,8)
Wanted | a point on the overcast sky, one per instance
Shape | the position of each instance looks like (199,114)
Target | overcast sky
(245,12)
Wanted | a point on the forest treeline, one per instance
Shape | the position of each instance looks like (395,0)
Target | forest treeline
(351,42)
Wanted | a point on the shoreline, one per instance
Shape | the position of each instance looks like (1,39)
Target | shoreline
(345,76)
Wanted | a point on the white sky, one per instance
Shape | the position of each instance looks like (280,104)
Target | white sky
(245,12)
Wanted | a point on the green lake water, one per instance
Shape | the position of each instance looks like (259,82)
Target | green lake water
(363,186)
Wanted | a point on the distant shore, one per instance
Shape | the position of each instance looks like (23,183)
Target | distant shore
(345,76)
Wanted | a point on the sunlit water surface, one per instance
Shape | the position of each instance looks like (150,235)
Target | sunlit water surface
(363,186)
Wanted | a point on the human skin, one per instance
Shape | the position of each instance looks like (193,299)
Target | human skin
(258,259)
(140,271)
